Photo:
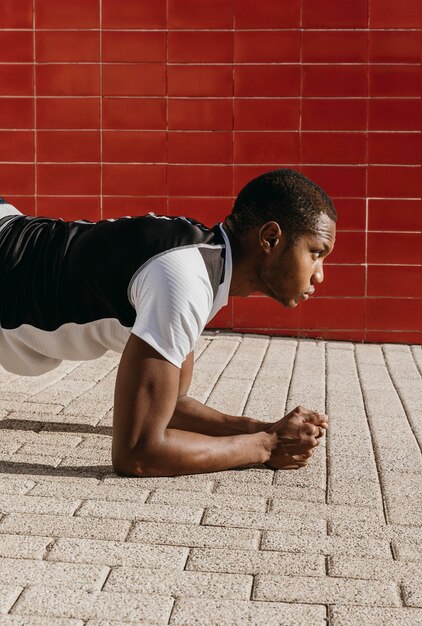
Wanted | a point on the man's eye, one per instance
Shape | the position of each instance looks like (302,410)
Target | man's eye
(317,253)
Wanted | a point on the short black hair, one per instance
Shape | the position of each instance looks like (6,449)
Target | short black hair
(283,196)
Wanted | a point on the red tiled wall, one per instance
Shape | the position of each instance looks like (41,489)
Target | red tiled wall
(112,108)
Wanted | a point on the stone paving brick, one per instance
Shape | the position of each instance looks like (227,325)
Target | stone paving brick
(28,620)
(23,547)
(14,485)
(201,612)
(216,500)
(255,562)
(193,536)
(136,511)
(26,463)
(97,491)
(327,511)
(103,456)
(269,392)
(63,392)
(97,369)
(44,416)
(307,385)
(96,401)
(313,476)
(212,585)
(407,550)
(32,504)
(210,364)
(63,602)
(342,546)
(412,593)
(404,512)
(356,616)
(114,553)
(408,382)
(325,590)
(8,596)
(28,409)
(293,493)
(378,569)
(176,483)
(269,521)
(61,526)
(25,572)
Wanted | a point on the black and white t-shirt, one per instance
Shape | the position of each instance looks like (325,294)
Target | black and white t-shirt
(73,290)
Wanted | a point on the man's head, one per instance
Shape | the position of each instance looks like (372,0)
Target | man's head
(288,223)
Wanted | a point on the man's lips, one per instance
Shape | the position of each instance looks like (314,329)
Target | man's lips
(306,295)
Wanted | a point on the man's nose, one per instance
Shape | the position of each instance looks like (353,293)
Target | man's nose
(318,275)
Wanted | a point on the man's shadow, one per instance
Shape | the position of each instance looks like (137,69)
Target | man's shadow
(81,471)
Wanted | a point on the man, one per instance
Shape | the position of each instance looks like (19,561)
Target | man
(146,286)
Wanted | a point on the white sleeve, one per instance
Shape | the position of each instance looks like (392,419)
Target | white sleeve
(173,297)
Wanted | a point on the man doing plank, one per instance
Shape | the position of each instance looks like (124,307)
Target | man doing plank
(146,286)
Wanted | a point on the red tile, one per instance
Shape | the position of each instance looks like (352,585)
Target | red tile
(202,147)
(394,182)
(25,204)
(263,312)
(199,180)
(135,14)
(267,47)
(325,114)
(332,313)
(200,80)
(351,213)
(334,80)
(68,179)
(376,336)
(393,14)
(134,113)
(394,80)
(394,281)
(120,206)
(255,114)
(69,209)
(334,46)
(134,47)
(342,280)
(224,317)
(335,335)
(63,14)
(209,211)
(16,83)
(267,80)
(68,80)
(134,146)
(68,113)
(349,248)
(396,148)
(394,215)
(348,182)
(134,180)
(333,147)
(68,146)
(394,47)
(16,113)
(16,145)
(391,248)
(268,148)
(244,173)
(16,179)
(65,46)
(16,46)
(206,114)
(16,13)
(143,79)
(334,14)
(200,47)
(393,314)
(268,14)
(394,114)
(205,14)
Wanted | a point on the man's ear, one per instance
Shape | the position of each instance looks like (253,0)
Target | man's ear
(270,235)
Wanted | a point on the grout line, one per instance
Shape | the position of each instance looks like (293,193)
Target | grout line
(101,108)
(34,67)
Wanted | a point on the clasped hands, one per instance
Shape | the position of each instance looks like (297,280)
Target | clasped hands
(298,436)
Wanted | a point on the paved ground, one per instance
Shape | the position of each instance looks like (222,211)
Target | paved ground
(339,542)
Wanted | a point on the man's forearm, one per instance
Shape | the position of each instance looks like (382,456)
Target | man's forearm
(181,452)
(192,415)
